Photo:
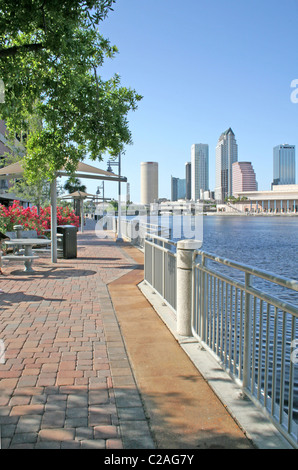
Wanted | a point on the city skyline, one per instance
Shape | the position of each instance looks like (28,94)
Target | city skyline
(213,75)
(245,170)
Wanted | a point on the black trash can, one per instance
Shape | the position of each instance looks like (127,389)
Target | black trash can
(69,240)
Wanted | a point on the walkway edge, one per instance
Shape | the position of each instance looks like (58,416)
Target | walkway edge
(251,420)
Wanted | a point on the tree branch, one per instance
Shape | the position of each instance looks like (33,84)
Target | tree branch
(12,51)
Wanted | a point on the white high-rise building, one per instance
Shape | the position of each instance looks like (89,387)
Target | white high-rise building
(225,155)
(149,182)
(284,169)
(199,169)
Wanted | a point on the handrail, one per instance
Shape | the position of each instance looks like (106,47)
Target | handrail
(252,290)
(161,248)
(157,237)
(281,280)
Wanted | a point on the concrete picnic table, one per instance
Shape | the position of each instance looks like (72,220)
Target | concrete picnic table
(28,255)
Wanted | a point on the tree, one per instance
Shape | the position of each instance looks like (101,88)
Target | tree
(114,204)
(73,185)
(39,191)
(50,55)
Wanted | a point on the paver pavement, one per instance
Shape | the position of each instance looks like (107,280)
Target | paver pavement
(85,368)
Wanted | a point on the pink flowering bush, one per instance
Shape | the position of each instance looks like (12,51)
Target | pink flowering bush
(31,220)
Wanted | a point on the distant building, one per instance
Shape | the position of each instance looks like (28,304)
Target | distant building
(3,137)
(282,198)
(225,155)
(206,195)
(188,180)
(127,192)
(244,178)
(178,188)
(149,182)
(284,165)
(5,184)
(199,169)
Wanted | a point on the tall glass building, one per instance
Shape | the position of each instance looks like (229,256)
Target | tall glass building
(284,167)
(178,188)
(225,155)
(199,169)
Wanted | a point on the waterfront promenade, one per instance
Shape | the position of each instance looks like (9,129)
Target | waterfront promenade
(89,363)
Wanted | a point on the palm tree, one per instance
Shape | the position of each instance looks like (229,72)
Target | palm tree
(72,185)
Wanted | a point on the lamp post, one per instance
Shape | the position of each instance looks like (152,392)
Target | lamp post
(96,203)
(101,187)
(110,164)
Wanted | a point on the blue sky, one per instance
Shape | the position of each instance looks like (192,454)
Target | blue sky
(203,66)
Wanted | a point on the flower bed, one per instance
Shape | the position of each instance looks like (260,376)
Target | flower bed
(31,220)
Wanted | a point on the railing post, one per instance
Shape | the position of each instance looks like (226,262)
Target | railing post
(185,251)
(153,266)
(202,300)
(247,333)
(163,271)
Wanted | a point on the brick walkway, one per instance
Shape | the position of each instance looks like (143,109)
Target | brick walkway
(77,336)
(64,354)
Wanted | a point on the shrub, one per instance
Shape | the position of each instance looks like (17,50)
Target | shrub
(31,220)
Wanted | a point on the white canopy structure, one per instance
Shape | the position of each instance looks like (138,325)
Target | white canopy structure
(16,170)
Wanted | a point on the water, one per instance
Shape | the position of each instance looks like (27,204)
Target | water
(268,243)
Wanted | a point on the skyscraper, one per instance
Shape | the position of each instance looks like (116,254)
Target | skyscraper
(188,180)
(178,190)
(149,182)
(284,165)
(199,169)
(225,155)
(244,178)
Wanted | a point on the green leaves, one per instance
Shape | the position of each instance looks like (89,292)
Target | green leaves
(50,55)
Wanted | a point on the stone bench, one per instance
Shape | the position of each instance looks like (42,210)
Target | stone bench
(27,234)
(19,257)
(26,259)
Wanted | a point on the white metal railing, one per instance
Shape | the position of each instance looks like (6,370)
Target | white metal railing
(238,316)
(252,333)
(136,229)
(160,267)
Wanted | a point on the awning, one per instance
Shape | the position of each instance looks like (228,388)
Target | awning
(83,171)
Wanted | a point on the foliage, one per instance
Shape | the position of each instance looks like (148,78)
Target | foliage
(73,185)
(50,54)
(114,204)
(37,192)
(234,200)
(31,220)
